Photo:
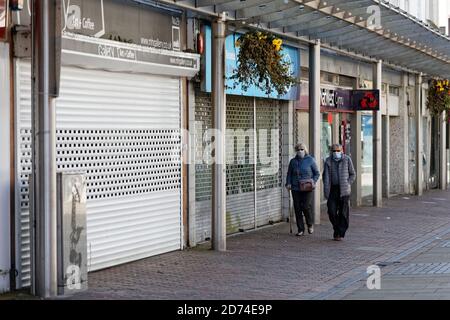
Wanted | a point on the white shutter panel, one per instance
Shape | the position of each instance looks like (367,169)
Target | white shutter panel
(123,131)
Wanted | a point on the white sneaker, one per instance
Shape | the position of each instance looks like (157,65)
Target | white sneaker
(299,234)
(310,230)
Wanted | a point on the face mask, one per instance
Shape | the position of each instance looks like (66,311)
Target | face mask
(301,154)
(337,155)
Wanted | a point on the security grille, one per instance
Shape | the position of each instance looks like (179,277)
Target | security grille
(268,168)
(123,132)
(203,170)
(240,164)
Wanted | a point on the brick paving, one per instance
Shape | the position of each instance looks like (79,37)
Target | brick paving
(272,264)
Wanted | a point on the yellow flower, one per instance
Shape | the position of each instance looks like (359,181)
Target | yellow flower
(277,43)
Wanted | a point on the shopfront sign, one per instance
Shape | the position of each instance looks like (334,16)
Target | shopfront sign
(342,99)
(87,51)
(366,100)
(122,21)
(3,19)
(291,55)
(336,98)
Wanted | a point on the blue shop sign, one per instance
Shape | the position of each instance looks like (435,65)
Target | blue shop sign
(291,55)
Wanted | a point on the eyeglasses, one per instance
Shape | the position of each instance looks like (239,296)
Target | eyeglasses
(336,150)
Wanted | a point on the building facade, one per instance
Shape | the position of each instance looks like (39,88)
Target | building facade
(136,111)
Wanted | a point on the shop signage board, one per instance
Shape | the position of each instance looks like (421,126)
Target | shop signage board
(336,98)
(3,19)
(123,21)
(342,99)
(291,55)
(366,100)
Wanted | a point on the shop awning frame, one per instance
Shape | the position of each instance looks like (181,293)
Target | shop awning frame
(402,40)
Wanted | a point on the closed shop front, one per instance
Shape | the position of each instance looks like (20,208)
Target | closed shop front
(254,182)
(118,120)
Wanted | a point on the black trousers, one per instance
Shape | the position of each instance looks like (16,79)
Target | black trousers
(302,207)
(338,211)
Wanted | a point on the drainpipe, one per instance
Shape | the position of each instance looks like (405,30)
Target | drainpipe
(46,39)
(219,124)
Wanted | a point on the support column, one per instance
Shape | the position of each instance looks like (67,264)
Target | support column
(45,89)
(377,137)
(405,109)
(419,136)
(287,151)
(386,147)
(443,148)
(219,124)
(314,119)
(356,131)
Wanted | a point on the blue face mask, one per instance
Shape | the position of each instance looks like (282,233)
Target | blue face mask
(337,155)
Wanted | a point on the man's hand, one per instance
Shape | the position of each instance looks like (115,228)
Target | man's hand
(288,187)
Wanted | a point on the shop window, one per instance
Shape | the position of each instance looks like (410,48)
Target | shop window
(395,91)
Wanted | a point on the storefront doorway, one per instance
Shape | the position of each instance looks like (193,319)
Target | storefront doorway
(367,159)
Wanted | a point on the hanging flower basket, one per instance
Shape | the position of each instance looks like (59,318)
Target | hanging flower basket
(439,97)
(261,63)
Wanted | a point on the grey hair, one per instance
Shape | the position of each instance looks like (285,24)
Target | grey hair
(336,145)
(301,145)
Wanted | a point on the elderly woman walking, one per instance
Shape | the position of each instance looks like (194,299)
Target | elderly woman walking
(301,180)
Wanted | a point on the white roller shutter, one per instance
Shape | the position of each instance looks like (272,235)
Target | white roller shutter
(123,130)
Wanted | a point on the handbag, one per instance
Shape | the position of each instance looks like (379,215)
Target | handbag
(307,185)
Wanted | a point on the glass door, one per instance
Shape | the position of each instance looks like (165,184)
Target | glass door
(367,159)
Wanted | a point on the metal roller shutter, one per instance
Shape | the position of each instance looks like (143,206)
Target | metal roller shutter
(123,130)
(240,170)
(268,168)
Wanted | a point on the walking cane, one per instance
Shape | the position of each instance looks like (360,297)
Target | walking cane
(290,214)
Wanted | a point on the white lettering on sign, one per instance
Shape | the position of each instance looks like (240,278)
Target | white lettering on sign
(331,98)
(156,43)
(106,51)
(126,54)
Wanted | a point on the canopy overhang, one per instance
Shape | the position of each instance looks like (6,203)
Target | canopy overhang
(370,28)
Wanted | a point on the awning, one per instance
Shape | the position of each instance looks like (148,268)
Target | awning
(372,28)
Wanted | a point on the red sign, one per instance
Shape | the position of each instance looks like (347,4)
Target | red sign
(366,100)
(3,19)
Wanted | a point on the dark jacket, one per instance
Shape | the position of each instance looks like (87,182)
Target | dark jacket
(301,169)
(347,176)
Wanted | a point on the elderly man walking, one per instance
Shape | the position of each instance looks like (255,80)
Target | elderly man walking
(338,176)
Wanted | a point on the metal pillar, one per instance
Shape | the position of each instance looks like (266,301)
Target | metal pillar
(443,149)
(356,147)
(386,149)
(314,118)
(377,138)
(45,45)
(219,124)
(419,136)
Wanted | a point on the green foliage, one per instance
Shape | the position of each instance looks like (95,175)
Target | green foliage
(261,63)
(439,97)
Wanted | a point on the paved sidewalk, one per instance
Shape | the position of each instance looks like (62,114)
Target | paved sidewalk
(272,264)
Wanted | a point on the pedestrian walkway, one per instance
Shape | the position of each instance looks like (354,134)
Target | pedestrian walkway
(272,264)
